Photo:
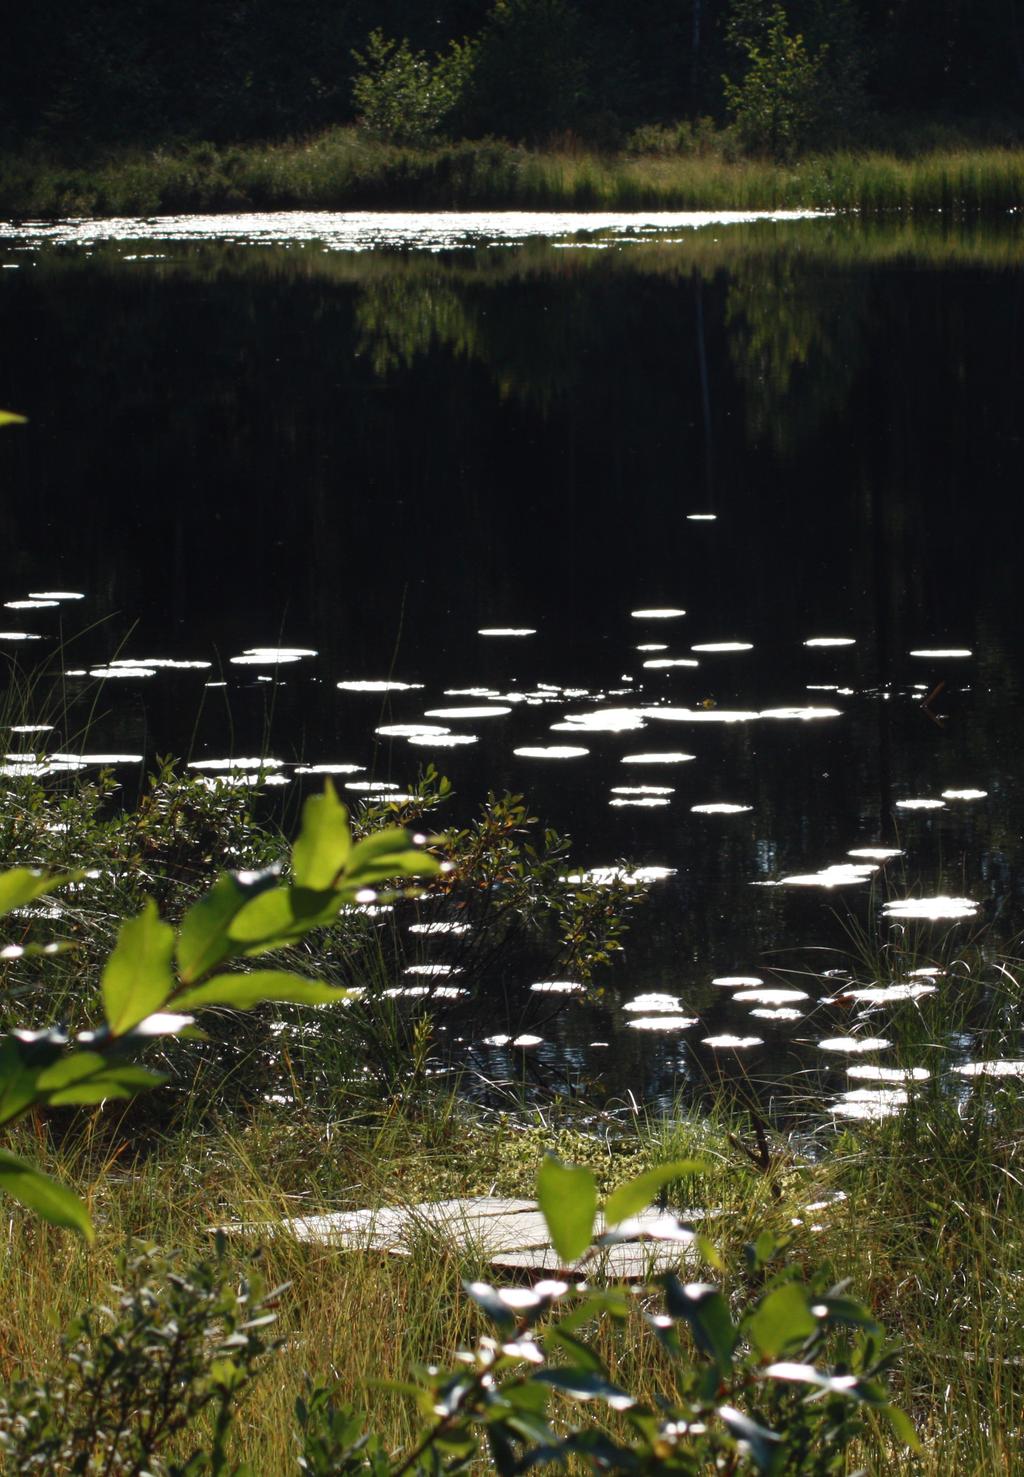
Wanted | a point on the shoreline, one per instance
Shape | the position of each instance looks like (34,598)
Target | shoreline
(344,171)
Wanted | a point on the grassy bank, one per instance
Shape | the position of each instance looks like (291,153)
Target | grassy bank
(921,1210)
(344,170)
(928,1233)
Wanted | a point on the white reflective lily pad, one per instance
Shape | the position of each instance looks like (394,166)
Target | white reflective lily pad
(935,908)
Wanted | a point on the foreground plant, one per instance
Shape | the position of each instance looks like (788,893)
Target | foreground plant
(783,1385)
(157,976)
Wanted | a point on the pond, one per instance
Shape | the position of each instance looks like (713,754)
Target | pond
(702,532)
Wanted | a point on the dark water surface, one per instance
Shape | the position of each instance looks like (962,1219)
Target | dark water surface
(372,452)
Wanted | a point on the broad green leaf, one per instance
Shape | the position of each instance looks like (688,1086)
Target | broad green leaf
(54,1202)
(764,1444)
(567,1198)
(280,916)
(632,1197)
(323,843)
(17,1080)
(242,991)
(10,418)
(847,1310)
(704,1308)
(384,855)
(902,1426)
(87,1077)
(137,978)
(203,938)
(782,1318)
(582,1384)
(23,885)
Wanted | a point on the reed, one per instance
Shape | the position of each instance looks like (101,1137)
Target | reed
(342,169)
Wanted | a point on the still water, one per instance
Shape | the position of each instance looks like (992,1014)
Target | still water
(702,532)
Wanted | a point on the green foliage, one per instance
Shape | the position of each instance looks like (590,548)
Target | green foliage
(779,98)
(530,79)
(404,98)
(144,997)
(783,1381)
(143,1380)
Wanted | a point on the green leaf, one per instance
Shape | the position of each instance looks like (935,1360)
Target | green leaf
(583,1356)
(782,1318)
(54,1202)
(23,885)
(324,842)
(137,978)
(10,418)
(902,1426)
(704,1308)
(242,991)
(281,916)
(764,1444)
(203,938)
(384,855)
(582,1384)
(87,1077)
(632,1197)
(568,1202)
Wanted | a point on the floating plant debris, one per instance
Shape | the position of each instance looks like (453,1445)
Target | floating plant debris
(840,874)
(159,661)
(231,764)
(931,908)
(869,1073)
(778,1013)
(770,997)
(382,686)
(659,663)
(662,1022)
(653,1002)
(732,980)
(55,595)
(732,1043)
(659,758)
(443,740)
(605,876)
(552,751)
(719,807)
(701,715)
(964,794)
(887,994)
(658,613)
(492,710)
(714,646)
(328,768)
(643,790)
(411,730)
(831,641)
(992,1069)
(870,1104)
(108,672)
(271,656)
(601,720)
(18,636)
(806,715)
(876,853)
(701,517)
(920,805)
(642,802)
(854,1043)
(653,646)
(29,604)
(943,651)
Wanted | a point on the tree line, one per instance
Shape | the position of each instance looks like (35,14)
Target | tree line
(77,74)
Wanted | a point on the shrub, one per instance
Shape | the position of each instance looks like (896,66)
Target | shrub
(778,100)
(404,98)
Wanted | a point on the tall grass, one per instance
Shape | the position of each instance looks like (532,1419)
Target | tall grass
(343,169)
